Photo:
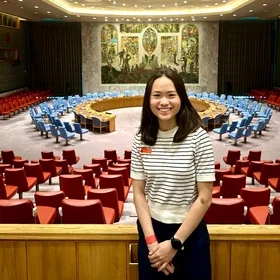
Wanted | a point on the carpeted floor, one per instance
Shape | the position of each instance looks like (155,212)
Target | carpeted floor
(18,134)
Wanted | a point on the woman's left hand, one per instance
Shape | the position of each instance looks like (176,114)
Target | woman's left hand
(161,257)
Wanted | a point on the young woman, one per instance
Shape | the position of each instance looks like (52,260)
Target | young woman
(173,171)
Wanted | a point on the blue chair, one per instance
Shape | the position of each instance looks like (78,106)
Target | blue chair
(43,128)
(258,127)
(216,121)
(236,134)
(54,132)
(69,127)
(65,134)
(80,130)
(247,132)
(242,122)
(204,122)
(232,127)
(96,123)
(83,120)
(222,130)
(58,122)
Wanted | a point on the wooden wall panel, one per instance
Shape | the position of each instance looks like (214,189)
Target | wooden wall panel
(255,260)
(55,260)
(220,258)
(102,260)
(13,260)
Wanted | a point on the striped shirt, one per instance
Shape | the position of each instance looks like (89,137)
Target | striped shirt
(171,171)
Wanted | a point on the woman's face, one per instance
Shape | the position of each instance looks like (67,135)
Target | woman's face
(165,102)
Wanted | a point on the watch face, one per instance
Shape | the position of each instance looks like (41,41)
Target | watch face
(176,243)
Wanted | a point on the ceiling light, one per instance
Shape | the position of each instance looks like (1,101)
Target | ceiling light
(114,2)
(134,18)
(264,5)
(250,11)
(127,19)
(221,15)
(117,19)
(76,2)
(92,7)
(149,19)
(20,0)
(78,15)
(135,6)
(171,19)
(234,15)
(122,18)
(65,16)
(193,19)
(48,12)
(5,1)
(207,6)
(83,5)
(205,17)
(164,18)
(160,19)
(123,4)
(36,13)
(138,19)
(21,7)
(185,2)
(106,19)
(94,18)
(224,1)
(36,7)
(175,4)
(182,19)
(150,6)
(163,6)
(216,4)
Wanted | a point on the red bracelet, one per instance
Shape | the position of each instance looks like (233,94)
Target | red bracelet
(150,239)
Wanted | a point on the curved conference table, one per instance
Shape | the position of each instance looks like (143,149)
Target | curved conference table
(97,108)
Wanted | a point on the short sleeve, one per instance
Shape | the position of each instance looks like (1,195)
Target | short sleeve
(136,169)
(204,157)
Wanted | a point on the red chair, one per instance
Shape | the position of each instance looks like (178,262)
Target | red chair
(120,165)
(277,160)
(20,211)
(86,212)
(50,199)
(72,186)
(269,170)
(225,211)
(3,167)
(254,166)
(95,167)
(127,154)
(7,191)
(253,155)
(236,169)
(217,165)
(219,173)
(87,176)
(274,183)
(102,161)
(66,169)
(256,196)
(114,181)
(122,171)
(35,170)
(232,157)
(111,155)
(8,157)
(19,163)
(48,165)
(17,177)
(231,186)
(108,198)
(49,155)
(70,156)
(262,215)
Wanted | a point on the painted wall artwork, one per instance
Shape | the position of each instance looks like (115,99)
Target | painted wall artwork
(130,53)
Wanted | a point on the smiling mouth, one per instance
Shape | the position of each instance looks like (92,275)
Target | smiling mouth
(164,109)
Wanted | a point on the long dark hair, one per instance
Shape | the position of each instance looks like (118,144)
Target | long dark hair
(188,120)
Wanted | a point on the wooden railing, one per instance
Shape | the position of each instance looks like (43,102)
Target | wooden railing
(106,252)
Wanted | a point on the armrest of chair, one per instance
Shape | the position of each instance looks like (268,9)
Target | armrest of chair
(35,212)
(221,196)
(270,209)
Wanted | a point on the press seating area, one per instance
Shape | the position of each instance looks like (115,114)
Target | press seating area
(17,102)
(242,193)
(265,95)
(95,194)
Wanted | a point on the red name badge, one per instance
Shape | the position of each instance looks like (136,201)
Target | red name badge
(146,150)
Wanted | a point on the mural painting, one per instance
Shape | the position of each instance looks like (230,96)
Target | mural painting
(133,53)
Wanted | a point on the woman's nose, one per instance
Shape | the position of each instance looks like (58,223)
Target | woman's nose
(164,101)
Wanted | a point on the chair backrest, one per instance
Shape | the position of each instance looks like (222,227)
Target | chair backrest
(82,211)
(72,186)
(70,156)
(16,177)
(232,185)
(63,132)
(120,170)
(108,198)
(34,170)
(87,176)
(16,211)
(47,155)
(204,122)
(111,154)
(95,167)
(3,193)
(113,181)
(233,156)
(232,126)
(223,128)
(54,131)
(269,170)
(78,128)
(239,164)
(102,162)
(239,132)
(225,211)
(248,131)
(127,154)
(275,218)
(255,196)
(68,127)
(254,155)
(7,156)
(66,169)
(254,166)
(48,165)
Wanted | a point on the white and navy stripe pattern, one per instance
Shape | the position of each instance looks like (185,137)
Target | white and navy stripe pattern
(171,171)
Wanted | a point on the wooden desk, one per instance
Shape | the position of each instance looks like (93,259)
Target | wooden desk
(98,108)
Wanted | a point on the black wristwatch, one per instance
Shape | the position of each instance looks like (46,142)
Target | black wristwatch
(176,244)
